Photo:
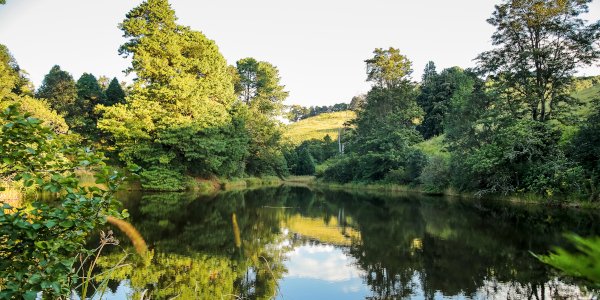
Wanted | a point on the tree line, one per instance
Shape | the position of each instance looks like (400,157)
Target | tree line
(297,112)
(508,126)
(187,114)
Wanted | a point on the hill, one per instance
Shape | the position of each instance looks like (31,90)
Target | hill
(318,126)
(586,89)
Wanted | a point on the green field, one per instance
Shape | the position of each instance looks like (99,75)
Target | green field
(586,90)
(318,126)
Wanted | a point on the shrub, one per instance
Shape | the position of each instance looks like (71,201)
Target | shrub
(435,176)
(162,179)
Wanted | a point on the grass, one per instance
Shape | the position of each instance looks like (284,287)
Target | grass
(586,92)
(434,147)
(318,127)
(248,182)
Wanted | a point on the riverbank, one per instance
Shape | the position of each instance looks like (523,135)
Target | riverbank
(528,199)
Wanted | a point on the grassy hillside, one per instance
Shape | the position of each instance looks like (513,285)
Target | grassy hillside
(318,126)
(586,89)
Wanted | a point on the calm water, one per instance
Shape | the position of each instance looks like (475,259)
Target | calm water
(294,243)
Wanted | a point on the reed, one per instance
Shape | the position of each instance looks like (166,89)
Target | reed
(136,238)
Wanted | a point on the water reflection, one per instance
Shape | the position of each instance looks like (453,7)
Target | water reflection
(294,243)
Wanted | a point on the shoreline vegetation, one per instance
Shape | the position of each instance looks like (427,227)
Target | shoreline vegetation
(15,195)
(520,127)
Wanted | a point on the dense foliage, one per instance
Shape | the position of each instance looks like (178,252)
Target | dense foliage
(507,127)
(41,243)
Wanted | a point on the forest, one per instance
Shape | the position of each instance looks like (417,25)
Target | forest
(511,126)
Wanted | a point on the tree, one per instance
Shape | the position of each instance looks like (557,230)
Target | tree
(15,90)
(539,45)
(388,68)
(53,236)
(180,115)
(13,79)
(58,88)
(89,94)
(114,93)
(385,127)
(436,95)
(259,88)
(297,112)
(259,85)
(103,81)
(357,102)
(429,73)
(306,163)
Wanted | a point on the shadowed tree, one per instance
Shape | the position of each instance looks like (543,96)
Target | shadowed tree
(58,88)
(114,93)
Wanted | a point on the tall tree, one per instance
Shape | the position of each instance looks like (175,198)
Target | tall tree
(539,45)
(14,89)
(259,87)
(436,93)
(58,88)
(385,127)
(13,79)
(179,116)
(429,73)
(89,94)
(114,93)
(388,68)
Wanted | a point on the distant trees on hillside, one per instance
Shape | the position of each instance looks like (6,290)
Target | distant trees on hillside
(298,112)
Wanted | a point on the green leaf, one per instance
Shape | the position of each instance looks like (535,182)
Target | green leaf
(35,278)
(30,295)
(66,224)
(50,223)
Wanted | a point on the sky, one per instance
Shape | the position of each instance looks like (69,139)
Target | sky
(319,46)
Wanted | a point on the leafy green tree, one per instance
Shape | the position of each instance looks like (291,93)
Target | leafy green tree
(89,94)
(259,87)
(15,90)
(114,93)
(385,127)
(13,79)
(306,163)
(42,243)
(180,114)
(297,113)
(539,46)
(436,95)
(388,68)
(59,89)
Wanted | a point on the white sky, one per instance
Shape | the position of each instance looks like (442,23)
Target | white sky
(319,46)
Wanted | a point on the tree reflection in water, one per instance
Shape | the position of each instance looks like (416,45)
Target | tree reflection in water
(401,247)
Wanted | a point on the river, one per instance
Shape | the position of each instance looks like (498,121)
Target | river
(296,243)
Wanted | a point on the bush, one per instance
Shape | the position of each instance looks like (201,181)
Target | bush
(435,176)
(341,170)
(162,179)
